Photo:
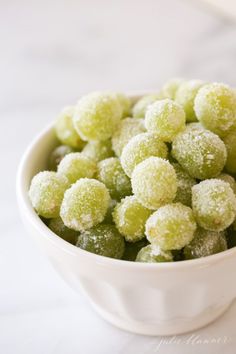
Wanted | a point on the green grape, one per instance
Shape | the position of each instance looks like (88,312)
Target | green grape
(58,227)
(65,130)
(132,249)
(200,152)
(57,155)
(130,217)
(111,173)
(85,204)
(165,119)
(214,204)
(185,96)
(170,88)
(103,240)
(154,182)
(139,148)
(184,185)
(230,143)
(205,243)
(98,150)
(229,179)
(215,107)
(128,128)
(97,116)
(75,166)
(46,193)
(140,107)
(171,227)
(150,254)
(125,103)
(108,217)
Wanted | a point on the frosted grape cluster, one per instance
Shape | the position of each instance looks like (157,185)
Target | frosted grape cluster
(148,179)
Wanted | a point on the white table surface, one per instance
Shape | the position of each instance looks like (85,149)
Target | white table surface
(50,53)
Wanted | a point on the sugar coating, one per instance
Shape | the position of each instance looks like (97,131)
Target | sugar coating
(98,150)
(130,217)
(111,173)
(58,227)
(171,227)
(184,185)
(65,130)
(152,254)
(215,107)
(139,148)
(229,179)
(205,243)
(97,116)
(127,129)
(185,96)
(140,107)
(154,182)
(104,240)
(170,88)
(75,166)
(57,155)
(230,143)
(46,193)
(165,119)
(125,103)
(200,152)
(85,204)
(214,204)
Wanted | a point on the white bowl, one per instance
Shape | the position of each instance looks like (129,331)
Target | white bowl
(145,298)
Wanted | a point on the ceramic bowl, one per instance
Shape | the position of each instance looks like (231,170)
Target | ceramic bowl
(145,298)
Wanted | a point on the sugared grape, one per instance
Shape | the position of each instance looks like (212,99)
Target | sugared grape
(229,179)
(215,107)
(140,107)
(85,204)
(98,150)
(65,130)
(150,254)
(127,129)
(111,173)
(130,217)
(200,152)
(46,193)
(171,227)
(205,243)
(75,166)
(104,240)
(154,182)
(184,185)
(165,119)
(58,227)
(230,143)
(185,96)
(57,155)
(97,116)
(125,103)
(139,148)
(214,204)
(170,88)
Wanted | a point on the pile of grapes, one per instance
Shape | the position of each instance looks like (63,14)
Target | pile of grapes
(148,179)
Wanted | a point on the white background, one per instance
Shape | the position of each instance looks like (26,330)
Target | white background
(50,53)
